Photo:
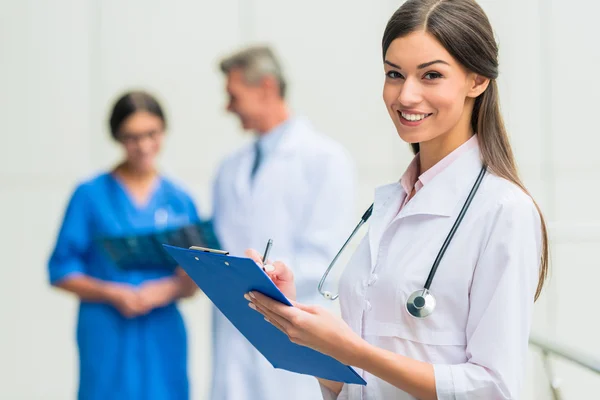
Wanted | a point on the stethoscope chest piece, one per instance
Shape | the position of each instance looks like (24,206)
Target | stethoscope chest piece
(421,303)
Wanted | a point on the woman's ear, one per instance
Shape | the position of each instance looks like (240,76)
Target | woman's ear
(478,85)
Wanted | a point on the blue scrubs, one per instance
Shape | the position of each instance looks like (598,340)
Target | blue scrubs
(121,358)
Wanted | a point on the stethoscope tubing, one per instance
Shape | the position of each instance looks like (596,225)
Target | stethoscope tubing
(439,256)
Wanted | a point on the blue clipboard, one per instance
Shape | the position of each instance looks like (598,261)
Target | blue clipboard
(225,280)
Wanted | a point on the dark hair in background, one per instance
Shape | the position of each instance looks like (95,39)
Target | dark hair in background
(130,103)
(464,30)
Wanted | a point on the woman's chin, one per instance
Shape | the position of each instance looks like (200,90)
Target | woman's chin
(410,137)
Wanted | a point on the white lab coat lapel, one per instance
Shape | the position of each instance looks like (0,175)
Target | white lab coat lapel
(263,180)
(440,198)
(242,179)
(293,136)
(448,190)
(387,202)
(297,130)
(442,195)
(251,197)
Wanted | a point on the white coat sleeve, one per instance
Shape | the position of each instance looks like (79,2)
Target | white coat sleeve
(501,307)
(326,220)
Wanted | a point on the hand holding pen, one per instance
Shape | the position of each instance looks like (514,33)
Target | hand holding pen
(267,267)
(281,275)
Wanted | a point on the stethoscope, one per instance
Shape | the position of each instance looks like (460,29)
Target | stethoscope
(421,303)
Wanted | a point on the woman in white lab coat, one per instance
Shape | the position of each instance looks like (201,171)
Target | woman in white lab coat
(440,61)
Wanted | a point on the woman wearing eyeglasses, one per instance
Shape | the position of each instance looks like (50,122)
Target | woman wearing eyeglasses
(131,337)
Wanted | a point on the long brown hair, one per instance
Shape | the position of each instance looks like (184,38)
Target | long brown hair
(464,30)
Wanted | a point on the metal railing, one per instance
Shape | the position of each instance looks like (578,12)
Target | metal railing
(549,348)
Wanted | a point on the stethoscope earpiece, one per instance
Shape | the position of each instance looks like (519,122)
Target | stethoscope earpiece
(329,296)
(421,303)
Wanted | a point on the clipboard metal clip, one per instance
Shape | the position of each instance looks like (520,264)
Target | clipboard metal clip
(207,250)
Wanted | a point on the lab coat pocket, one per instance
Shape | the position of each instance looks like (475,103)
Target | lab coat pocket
(416,340)
(416,332)
(434,339)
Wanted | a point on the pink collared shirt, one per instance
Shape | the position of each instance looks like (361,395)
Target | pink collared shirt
(410,179)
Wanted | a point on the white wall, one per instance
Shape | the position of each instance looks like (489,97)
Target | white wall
(63,62)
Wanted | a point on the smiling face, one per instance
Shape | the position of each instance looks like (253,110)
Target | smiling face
(427,93)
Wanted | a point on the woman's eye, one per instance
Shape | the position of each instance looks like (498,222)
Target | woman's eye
(393,74)
(432,75)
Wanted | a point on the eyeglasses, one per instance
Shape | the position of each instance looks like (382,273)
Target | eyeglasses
(135,138)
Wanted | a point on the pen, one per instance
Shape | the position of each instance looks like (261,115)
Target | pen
(267,251)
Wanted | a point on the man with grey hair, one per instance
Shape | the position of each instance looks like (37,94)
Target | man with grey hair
(291,184)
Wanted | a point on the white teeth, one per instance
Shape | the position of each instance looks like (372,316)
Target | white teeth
(413,117)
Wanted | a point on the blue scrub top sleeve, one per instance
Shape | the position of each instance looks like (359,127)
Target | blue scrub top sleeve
(73,240)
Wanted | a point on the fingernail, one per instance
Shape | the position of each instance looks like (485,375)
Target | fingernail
(252,295)
(269,268)
(247,297)
(267,319)
(252,306)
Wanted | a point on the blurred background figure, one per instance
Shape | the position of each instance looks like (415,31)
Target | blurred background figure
(130,335)
(291,184)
